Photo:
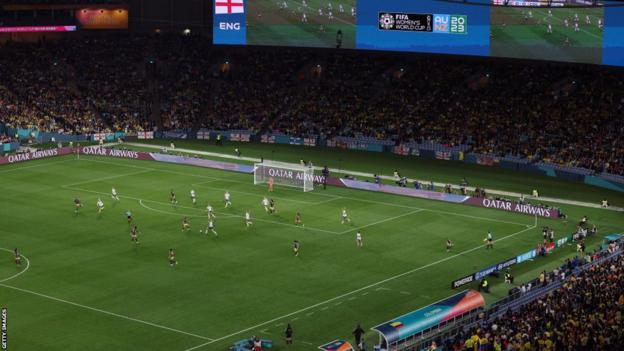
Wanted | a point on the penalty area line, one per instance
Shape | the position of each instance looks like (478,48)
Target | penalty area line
(357,290)
(382,221)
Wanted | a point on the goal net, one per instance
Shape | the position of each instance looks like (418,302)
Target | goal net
(287,174)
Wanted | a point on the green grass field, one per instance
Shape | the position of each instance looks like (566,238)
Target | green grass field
(516,34)
(270,23)
(85,286)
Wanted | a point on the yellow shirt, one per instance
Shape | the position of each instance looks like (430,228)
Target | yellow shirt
(469,343)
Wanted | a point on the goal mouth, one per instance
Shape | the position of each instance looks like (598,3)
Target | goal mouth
(554,4)
(284,174)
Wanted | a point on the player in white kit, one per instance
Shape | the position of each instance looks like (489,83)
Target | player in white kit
(344,218)
(114,194)
(358,239)
(210,212)
(193,197)
(265,204)
(100,205)
(211,228)
(227,199)
(248,221)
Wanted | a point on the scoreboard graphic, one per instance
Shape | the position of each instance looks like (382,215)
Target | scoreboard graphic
(527,29)
(418,22)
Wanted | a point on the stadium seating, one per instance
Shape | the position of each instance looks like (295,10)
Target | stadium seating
(581,311)
(564,115)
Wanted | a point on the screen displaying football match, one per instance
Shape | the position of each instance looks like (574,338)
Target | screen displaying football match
(555,30)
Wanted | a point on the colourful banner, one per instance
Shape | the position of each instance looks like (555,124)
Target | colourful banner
(337,345)
(397,190)
(427,317)
(145,135)
(35,155)
(443,155)
(240,137)
(268,139)
(37,29)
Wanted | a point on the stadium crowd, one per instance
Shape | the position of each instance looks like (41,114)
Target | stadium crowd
(585,313)
(564,114)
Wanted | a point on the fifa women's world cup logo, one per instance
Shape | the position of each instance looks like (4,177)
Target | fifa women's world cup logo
(386,21)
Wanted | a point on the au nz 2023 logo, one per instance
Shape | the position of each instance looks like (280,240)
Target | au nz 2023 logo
(422,22)
(450,24)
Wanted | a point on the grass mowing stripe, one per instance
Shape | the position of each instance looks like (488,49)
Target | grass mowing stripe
(169,213)
(34,166)
(381,221)
(255,194)
(107,178)
(361,289)
(17,274)
(334,197)
(103,311)
(219,213)
(213,179)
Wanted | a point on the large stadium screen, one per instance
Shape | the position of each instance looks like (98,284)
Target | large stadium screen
(555,30)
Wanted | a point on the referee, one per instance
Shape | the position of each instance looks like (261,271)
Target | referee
(325,176)
(289,335)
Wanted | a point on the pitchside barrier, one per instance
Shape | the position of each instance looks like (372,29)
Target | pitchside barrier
(529,255)
(503,205)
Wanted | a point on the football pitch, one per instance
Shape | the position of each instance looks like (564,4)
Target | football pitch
(517,33)
(269,22)
(85,286)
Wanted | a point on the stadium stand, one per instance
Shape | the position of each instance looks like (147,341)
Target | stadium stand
(575,307)
(566,116)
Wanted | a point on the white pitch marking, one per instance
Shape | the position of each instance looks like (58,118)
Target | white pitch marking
(357,290)
(167,212)
(382,221)
(20,272)
(107,178)
(334,197)
(219,213)
(34,166)
(104,312)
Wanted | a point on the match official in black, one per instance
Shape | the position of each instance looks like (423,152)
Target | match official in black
(358,332)
(325,176)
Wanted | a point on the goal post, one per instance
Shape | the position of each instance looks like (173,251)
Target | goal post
(285,174)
